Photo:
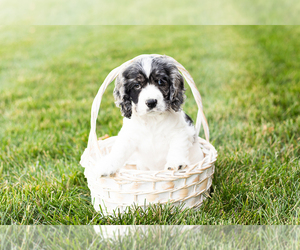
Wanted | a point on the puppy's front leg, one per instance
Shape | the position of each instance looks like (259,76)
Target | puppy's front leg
(120,153)
(178,155)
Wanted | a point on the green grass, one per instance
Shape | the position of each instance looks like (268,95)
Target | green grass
(249,78)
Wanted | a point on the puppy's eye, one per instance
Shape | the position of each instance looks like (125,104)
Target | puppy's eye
(161,82)
(137,86)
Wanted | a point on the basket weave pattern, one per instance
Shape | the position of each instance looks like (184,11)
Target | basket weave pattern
(129,185)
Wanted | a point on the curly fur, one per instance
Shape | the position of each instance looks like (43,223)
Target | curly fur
(176,96)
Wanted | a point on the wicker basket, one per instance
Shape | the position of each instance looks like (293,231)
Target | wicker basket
(130,186)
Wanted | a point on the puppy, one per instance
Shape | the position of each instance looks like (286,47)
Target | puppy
(156,134)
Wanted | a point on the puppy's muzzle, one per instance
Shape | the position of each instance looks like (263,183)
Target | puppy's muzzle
(151,103)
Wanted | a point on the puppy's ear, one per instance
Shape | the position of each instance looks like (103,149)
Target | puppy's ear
(176,90)
(122,98)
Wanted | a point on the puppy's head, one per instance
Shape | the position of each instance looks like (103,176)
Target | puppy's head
(148,86)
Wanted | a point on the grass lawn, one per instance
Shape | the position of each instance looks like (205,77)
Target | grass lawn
(249,78)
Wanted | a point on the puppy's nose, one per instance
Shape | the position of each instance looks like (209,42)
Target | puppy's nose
(151,103)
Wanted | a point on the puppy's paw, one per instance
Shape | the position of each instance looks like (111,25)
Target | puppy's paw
(105,167)
(103,172)
(174,166)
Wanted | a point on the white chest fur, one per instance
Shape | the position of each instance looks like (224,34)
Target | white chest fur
(159,138)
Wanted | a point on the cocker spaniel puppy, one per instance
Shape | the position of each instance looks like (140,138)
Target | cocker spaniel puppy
(156,133)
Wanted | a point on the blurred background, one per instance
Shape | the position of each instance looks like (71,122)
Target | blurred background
(155,12)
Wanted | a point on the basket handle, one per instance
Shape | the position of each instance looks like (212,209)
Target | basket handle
(92,142)
(201,119)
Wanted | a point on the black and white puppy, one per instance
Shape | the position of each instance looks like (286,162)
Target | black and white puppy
(156,133)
